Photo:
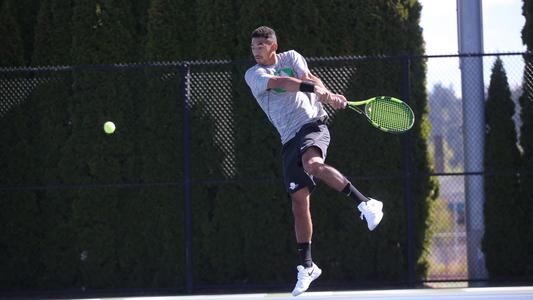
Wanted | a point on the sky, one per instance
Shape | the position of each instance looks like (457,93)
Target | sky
(502,26)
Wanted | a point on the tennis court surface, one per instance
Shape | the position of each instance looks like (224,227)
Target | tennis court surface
(513,293)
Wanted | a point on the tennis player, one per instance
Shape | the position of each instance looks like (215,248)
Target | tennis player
(292,98)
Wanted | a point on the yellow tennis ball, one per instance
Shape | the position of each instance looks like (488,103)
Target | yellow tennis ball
(109,127)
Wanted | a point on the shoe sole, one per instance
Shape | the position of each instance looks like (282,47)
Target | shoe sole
(378,218)
(318,275)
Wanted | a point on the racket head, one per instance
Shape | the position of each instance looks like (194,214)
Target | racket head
(389,114)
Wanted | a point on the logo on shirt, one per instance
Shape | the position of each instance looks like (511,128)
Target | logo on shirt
(292,186)
(283,72)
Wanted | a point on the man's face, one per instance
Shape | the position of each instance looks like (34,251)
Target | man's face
(264,51)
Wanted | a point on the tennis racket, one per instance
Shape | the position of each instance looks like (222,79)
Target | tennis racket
(387,114)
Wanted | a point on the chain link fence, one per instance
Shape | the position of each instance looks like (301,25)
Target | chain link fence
(179,143)
(449,248)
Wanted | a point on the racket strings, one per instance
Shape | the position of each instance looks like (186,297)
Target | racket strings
(390,115)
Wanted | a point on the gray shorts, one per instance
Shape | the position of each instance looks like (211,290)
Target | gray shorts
(315,134)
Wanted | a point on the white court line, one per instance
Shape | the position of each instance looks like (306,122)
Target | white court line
(423,293)
(506,289)
(196,297)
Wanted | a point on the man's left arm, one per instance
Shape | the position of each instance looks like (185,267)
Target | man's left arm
(304,74)
(324,95)
(308,76)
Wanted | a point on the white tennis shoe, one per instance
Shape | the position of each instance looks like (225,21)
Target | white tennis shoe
(305,277)
(371,210)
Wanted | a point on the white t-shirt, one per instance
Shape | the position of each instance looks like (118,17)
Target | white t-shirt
(288,111)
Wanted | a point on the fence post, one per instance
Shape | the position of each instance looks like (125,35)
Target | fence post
(470,31)
(408,175)
(185,70)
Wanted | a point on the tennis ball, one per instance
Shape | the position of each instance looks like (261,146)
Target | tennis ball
(109,127)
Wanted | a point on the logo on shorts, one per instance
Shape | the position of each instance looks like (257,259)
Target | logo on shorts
(292,186)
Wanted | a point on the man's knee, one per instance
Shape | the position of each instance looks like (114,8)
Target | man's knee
(312,161)
(300,202)
(313,167)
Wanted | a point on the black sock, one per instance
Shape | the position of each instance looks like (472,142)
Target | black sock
(353,193)
(304,251)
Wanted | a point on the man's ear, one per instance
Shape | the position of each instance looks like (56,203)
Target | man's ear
(275,46)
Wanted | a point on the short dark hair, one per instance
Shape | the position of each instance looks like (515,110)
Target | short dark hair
(265,32)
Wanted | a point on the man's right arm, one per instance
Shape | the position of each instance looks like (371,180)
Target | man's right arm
(259,81)
(291,84)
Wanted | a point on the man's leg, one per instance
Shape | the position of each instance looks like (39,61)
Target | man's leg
(313,164)
(303,224)
(303,228)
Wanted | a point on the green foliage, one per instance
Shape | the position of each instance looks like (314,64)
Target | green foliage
(20,238)
(104,219)
(502,158)
(17,23)
(527,30)
(12,50)
(366,155)
(443,219)
(103,32)
(53,37)
(26,14)
(38,129)
(170,31)
(217,25)
(132,237)
(250,223)
(526,143)
(20,210)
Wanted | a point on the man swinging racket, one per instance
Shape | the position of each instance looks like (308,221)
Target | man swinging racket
(292,98)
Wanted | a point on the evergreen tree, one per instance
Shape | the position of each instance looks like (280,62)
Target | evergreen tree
(162,145)
(48,106)
(424,191)
(140,13)
(527,33)
(18,21)
(19,209)
(501,158)
(247,208)
(26,14)
(53,36)
(108,221)
(12,50)
(171,31)
(253,213)
(250,216)
(341,23)
(308,18)
(526,141)
(216,26)
(401,34)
